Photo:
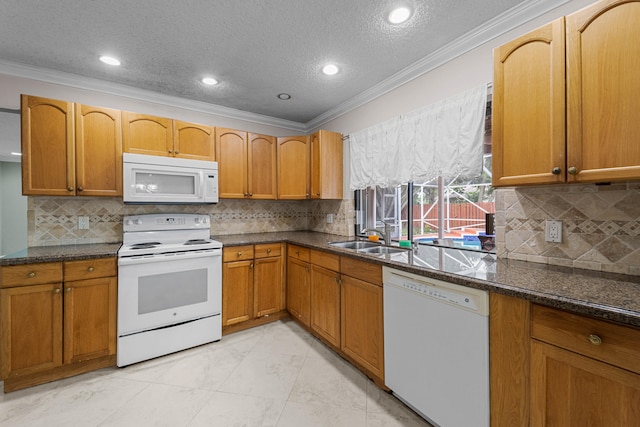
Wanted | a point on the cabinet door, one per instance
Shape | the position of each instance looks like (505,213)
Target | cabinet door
(98,151)
(568,389)
(47,147)
(298,290)
(237,292)
(529,108)
(326,165)
(231,151)
(31,329)
(362,326)
(261,173)
(325,303)
(192,141)
(603,112)
(293,167)
(89,319)
(268,286)
(143,134)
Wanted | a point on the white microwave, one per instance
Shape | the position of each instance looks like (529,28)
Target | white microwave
(169,180)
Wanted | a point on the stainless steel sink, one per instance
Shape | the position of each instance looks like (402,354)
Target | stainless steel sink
(382,250)
(355,244)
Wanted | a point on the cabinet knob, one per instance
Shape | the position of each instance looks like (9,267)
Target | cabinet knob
(90,269)
(297,252)
(268,250)
(556,171)
(80,188)
(307,195)
(250,194)
(177,152)
(32,274)
(69,189)
(170,151)
(246,194)
(251,265)
(318,194)
(56,291)
(595,340)
(239,253)
(572,170)
(67,290)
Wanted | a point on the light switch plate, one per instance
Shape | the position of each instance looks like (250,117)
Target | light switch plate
(329,218)
(553,231)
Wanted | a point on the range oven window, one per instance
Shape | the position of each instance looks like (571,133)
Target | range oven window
(158,292)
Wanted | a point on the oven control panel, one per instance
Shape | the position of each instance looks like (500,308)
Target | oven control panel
(157,222)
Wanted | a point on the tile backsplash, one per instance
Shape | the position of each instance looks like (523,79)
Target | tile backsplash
(54,220)
(600,225)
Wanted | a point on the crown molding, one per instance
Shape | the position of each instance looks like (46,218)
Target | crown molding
(88,83)
(491,29)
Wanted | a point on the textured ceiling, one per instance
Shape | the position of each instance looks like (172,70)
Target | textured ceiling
(255,48)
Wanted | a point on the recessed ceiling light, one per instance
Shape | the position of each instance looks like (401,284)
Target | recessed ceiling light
(330,69)
(399,15)
(209,81)
(109,60)
(284,96)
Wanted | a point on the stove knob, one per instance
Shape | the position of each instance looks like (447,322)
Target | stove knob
(205,219)
(138,221)
(197,220)
(129,222)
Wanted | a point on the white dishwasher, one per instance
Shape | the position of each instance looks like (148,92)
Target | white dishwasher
(436,348)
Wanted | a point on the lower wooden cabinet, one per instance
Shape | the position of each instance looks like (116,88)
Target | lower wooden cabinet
(299,290)
(554,368)
(325,304)
(252,283)
(568,389)
(58,328)
(362,324)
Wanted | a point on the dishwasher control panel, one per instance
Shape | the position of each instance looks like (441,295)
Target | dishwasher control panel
(470,299)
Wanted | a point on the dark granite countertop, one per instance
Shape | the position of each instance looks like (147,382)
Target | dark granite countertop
(60,253)
(609,296)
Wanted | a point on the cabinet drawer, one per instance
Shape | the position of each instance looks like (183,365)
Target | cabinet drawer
(618,344)
(30,274)
(298,252)
(362,270)
(326,260)
(237,253)
(89,269)
(268,250)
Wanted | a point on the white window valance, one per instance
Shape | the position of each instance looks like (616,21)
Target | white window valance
(441,139)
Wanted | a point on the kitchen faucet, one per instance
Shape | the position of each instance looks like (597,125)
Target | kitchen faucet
(386,235)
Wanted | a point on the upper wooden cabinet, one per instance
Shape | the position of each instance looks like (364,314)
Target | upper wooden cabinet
(310,167)
(326,165)
(246,164)
(158,136)
(603,110)
(293,167)
(528,130)
(55,163)
(534,140)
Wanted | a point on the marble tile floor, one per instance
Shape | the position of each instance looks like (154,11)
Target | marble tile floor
(272,375)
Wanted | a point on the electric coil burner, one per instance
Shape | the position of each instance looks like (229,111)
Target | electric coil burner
(169,286)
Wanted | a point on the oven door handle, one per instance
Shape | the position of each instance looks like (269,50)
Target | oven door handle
(169,257)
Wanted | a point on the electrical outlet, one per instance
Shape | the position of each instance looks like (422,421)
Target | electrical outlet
(329,218)
(83,223)
(553,231)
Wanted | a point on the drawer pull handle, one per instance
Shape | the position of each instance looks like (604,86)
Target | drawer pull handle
(268,250)
(595,340)
(297,252)
(32,274)
(572,170)
(67,290)
(239,253)
(56,291)
(90,269)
